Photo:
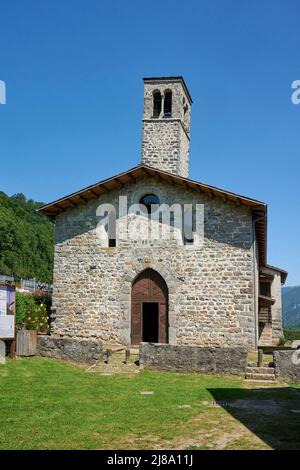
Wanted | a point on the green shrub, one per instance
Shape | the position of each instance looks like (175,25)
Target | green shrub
(32,311)
(41,297)
(24,303)
(37,318)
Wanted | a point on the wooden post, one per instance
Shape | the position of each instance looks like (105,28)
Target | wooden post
(13,349)
(108,354)
(260,357)
(127,355)
(13,346)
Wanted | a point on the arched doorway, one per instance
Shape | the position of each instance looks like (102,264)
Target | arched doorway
(149,308)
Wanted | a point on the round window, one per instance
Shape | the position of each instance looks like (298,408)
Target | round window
(148,200)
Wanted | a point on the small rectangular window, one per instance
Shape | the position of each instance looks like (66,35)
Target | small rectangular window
(265,289)
(188,226)
(188,240)
(112,243)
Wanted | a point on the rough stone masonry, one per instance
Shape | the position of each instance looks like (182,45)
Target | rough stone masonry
(287,366)
(210,290)
(207,360)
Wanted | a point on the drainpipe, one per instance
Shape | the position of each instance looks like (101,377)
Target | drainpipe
(256,281)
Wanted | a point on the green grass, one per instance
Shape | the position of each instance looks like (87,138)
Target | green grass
(48,404)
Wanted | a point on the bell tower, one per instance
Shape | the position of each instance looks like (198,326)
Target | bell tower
(166,125)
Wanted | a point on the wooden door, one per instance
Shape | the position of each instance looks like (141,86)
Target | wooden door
(149,286)
(163,323)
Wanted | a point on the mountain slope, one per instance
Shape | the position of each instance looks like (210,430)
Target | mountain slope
(26,239)
(291,306)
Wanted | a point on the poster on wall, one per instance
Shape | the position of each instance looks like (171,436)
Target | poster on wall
(7,312)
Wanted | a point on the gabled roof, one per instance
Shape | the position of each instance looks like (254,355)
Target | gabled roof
(258,208)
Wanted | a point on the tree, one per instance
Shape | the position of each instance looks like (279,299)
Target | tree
(26,238)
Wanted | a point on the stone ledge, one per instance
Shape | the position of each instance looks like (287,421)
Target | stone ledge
(85,351)
(285,369)
(208,360)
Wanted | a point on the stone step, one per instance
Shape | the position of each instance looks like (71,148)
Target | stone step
(260,382)
(119,356)
(265,364)
(258,377)
(260,370)
(134,350)
(114,348)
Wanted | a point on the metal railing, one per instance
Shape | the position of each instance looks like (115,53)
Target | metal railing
(29,285)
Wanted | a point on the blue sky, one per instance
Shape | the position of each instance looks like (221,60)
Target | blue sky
(74,69)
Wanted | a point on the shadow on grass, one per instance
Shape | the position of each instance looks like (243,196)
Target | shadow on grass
(272,414)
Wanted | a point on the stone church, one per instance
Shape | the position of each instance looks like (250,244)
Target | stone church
(121,291)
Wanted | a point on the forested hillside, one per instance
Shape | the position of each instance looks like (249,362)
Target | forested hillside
(26,239)
(291,306)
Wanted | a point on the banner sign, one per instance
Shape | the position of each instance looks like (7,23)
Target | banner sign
(7,312)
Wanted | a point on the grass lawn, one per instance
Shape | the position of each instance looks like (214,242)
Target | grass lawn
(49,404)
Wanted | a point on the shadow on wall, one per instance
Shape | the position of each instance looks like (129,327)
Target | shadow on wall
(272,414)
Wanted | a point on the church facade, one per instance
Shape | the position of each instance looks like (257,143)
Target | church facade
(129,289)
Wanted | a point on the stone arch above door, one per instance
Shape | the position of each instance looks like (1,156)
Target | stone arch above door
(172,281)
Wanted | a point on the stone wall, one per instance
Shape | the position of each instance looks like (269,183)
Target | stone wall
(277,330)
(166,140)
(286,367)
(165,146)
(85,351)
(227,361)
(184,146)
(211,295)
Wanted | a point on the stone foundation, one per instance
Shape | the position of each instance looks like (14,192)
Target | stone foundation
(208,360)
(85,351)
(285,368)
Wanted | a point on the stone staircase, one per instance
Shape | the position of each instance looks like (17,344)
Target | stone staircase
(264,373)
(116,360)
